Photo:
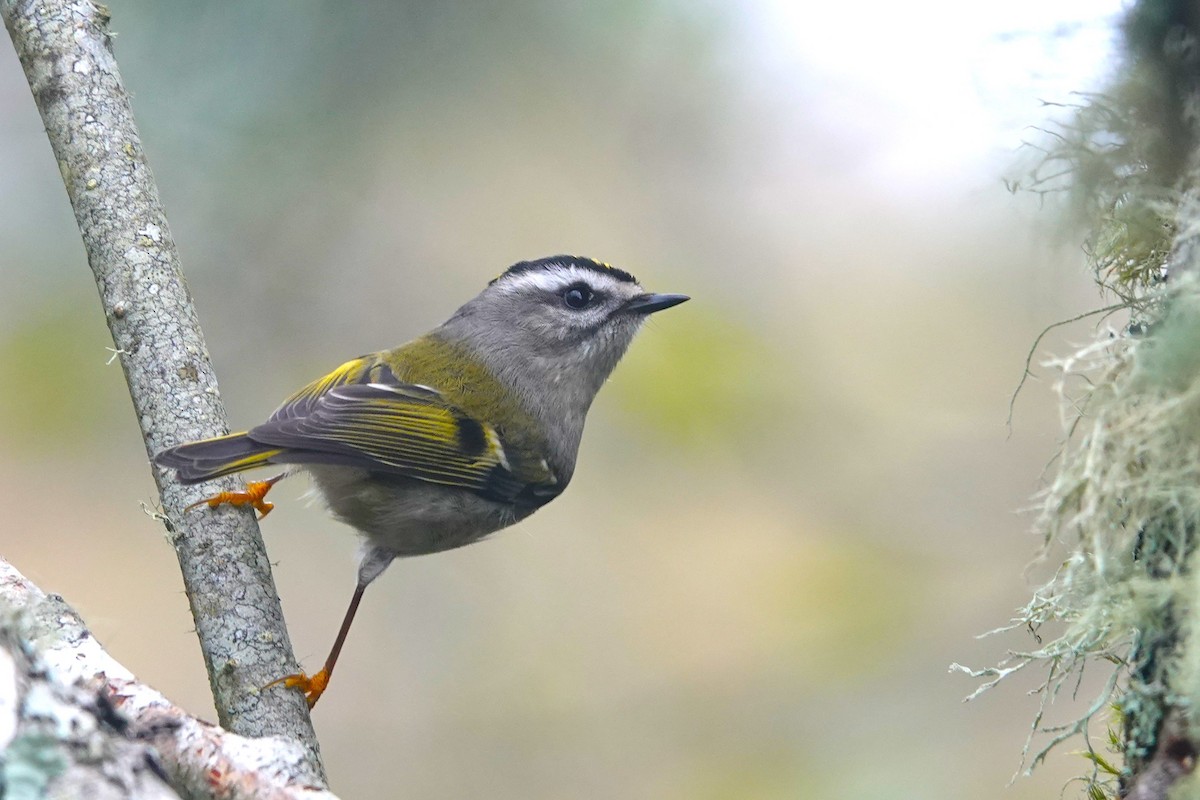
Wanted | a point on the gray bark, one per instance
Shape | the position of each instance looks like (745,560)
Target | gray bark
(67,56)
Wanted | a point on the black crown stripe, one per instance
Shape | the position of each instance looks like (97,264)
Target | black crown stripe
(568,261)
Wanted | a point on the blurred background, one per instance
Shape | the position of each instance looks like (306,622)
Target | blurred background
(797,500)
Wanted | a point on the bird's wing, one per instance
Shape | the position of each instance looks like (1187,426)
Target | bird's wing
(404,429)
(364,369)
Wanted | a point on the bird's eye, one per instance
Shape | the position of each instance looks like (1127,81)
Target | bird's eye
(577,296)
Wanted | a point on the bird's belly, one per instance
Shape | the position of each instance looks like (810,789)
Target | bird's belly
(407,516)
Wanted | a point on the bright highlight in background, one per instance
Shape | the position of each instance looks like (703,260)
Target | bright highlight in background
(938,85)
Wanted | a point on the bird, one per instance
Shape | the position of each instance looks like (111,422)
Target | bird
(451,437)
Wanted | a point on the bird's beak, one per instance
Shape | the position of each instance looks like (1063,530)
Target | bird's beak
(649,303)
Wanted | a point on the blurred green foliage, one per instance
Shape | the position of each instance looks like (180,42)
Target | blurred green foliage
(703,379)
(59,390)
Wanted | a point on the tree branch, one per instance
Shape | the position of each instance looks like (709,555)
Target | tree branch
(53,655)
(67,56)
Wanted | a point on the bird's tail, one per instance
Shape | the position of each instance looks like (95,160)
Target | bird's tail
(197,462)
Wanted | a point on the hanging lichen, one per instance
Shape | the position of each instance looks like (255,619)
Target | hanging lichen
(1124,503)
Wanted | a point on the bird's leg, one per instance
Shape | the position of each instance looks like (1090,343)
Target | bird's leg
(313,686)
(253,495)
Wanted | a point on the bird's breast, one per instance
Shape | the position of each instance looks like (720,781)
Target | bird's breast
(408,516)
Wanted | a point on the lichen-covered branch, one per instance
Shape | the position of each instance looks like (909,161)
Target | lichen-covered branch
(1173,761)
(1124,501)
(72,716)
(63,740)
(66,52)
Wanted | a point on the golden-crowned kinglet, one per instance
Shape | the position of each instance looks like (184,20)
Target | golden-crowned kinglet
(455,435)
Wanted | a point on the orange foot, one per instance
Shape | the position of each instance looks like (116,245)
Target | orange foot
(312,687)
(253,495)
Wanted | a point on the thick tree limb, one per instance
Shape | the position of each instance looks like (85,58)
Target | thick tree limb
(58,684)
(62,740)
(67,56)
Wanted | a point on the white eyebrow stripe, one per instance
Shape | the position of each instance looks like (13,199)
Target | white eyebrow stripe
(558,277)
